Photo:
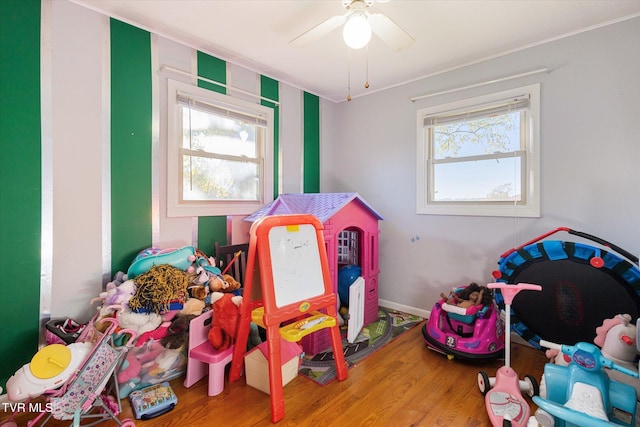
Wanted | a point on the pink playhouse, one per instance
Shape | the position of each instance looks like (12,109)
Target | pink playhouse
(351,235)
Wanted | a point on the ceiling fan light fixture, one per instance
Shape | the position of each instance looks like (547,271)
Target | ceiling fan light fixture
(357,30)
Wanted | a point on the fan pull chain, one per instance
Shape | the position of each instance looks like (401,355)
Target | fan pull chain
(366,83)
(348,74)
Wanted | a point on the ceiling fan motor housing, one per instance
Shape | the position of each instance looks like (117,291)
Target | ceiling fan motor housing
(350,4)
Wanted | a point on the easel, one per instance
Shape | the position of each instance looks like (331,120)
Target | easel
(287,280)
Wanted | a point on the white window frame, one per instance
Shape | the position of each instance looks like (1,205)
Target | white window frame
(178,208)
(531,164)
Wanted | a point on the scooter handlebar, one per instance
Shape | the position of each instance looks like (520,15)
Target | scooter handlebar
(551,345)
(510,291)
(624,370)
(594,351)
(518,286)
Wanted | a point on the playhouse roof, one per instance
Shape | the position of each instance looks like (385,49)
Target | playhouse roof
(321,205)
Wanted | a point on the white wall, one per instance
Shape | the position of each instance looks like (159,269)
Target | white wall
(590,150)
(75,157)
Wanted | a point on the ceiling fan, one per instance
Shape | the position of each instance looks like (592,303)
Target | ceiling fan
(359,23)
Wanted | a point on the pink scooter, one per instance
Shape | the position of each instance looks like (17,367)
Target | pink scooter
(503,394)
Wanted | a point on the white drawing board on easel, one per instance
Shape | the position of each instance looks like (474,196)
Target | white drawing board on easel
(295,263)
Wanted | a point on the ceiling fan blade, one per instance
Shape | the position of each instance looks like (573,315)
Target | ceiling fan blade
(318,31)
(390,32)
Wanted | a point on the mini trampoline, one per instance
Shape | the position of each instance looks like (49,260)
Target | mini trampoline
(581,286)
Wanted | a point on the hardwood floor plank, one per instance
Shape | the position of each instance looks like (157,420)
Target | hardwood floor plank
(402,384)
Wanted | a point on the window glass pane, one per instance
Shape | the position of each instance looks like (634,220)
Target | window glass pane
(220,156)
(499,133)
(480,156)
(478,181)
(216,134)
(206,178)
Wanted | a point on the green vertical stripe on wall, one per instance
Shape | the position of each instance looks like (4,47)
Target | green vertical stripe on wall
(212,68)
(211,228)
(131,227)
(269,88)
(20,181)
(311,166)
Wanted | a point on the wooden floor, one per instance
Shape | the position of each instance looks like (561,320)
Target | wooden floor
(402,384)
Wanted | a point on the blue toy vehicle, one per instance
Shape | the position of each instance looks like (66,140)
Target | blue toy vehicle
(581,394)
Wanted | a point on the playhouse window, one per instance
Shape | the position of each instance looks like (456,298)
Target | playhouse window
(348,247)
(479,156)
(219,153)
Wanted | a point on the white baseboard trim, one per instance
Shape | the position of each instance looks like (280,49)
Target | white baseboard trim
(407,309)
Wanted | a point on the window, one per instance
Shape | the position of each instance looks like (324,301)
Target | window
(480,156)
(220,153)
(348,247)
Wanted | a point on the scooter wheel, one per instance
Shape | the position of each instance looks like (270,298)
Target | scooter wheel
(544,418)
(483,382)
(533,389)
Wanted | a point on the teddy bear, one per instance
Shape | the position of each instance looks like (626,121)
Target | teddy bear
(198,296)
(193,306)
(223,283)
(199,291)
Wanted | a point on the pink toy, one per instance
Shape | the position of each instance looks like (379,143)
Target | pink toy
(473,332)
(158,333)
(83,395)
(617,339)
(351,233)
(503,394)
(135,365)
(130,369)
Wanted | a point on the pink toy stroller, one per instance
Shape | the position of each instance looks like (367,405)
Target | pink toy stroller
(87,394)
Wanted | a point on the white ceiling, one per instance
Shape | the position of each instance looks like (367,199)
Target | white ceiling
(448,34)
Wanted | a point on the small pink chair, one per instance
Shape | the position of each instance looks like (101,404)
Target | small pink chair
(203,358)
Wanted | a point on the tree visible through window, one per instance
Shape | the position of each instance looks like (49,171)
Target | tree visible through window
(485,152)
(479,156)
(220,159)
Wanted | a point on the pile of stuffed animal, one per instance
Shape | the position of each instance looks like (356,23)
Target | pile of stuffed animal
(158,301)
